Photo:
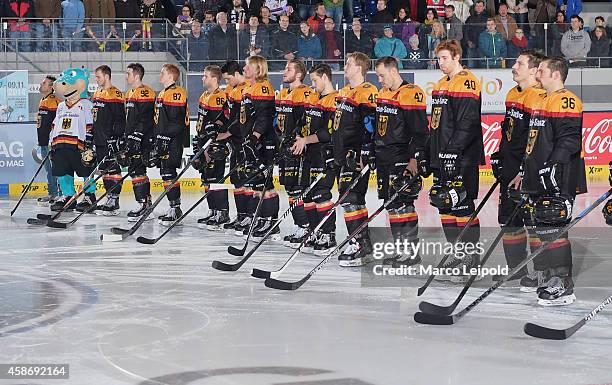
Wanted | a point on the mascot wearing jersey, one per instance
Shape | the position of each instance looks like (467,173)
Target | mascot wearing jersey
(71,136)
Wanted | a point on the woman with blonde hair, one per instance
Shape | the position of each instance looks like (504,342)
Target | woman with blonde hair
(257,112)
(434,38)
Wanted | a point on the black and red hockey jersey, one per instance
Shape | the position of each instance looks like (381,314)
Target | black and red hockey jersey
(211,108)
(232,110)
(108,115)
(291,109)
(171,112)
(257,110)
(139,111)
(46,114)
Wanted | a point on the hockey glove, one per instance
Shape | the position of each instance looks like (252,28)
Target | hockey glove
(368,155)
(422,162)
(496,165)
(89,140)
(197,162)
(551,177)
(450,164)
(113,146)
(162,146)
(134,143)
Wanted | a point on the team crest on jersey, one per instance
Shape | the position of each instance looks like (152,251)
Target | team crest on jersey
(66,123)
(38,121)
(435,117)
(337,118)
(510,128)
(242,114)
(281,118)
(383,121)
(533,135)
(199,124)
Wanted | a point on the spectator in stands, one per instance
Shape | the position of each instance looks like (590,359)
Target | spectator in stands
(474,25)
(306,8)
(252,7)
(576,43)
(266,22)
(388,45)
(570,7)
(46,29)
(95,11)
(518,10)
(430,17)
(599,22)
(317,21)
(381,17)
(334,9)
(517,45)
(184,20)
(404,26)
(126,11)
(461,8)
(17,12)
(331,44)
(254,40)
(237,15)
(309,44)
(284,44)
(201,6)
(417,57)
(198,47)
(492,45)
(600,47)
(556,31)
(435,37)
(358,40)
(505,24)
(152,13)
(455,32)
(223,37)
(208,22)
(71,24)
(545,12)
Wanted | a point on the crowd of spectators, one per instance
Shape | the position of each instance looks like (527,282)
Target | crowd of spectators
(492,32)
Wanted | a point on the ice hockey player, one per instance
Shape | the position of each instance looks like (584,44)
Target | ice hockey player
(521,100)
(71,136)
(554,173)
(257,112)
(401,130)
(108,131)
(171,124)
(291,106)
(315,145)
(211,118)
(139,106)
(236,83)
(456,152)
(47,108)
(353,128)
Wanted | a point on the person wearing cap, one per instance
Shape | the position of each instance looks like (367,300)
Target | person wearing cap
(416,57)
(388,45)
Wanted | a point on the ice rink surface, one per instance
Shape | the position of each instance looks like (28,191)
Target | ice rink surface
(128,313)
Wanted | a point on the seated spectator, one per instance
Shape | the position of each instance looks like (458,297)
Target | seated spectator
(284,44)
(417,57)
(254,40)
(331,44)
(599,22)
(517,45)
(390,46)
(576,43)
(237,15)
(46,29)
(184,20)
(600,47)
(556,31)
(224,39)
(436,36)
(455,32)
(381,17)
(358,40)
(425,28)
(266,21)
(492,46)
(309,44)
(404,26)
(209,21)
(474,25)
(198,47)
(334,9)
(519,11)
(317,21)
(505,24)
(461,8)
(570,7)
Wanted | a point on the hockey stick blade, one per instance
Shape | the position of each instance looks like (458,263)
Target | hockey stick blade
(433,319)
(43,217)
(145,240)
(36,221)
(432,308)
(57,225)
(233,250)
(119,230)
(219,265)
(274,283)
(262,274)
(548,333)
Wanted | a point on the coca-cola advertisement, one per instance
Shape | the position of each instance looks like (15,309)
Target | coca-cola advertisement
(596,136)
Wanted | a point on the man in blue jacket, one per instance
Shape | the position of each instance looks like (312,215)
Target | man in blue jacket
(492,45)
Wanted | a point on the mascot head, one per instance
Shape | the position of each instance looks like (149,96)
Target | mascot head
(72,83)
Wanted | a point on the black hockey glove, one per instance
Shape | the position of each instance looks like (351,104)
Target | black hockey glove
(197,161)
(551,177)
(134,143)
(496,165)
(422,162)
(450,164)
(368,155)
(162,146)
(89,144)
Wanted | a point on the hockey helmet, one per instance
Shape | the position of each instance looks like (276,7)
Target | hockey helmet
(447,195)
(218,150)
(553,210)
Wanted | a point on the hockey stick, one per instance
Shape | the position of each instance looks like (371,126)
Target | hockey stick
(440,319)
(422,289)
(274,283)
(120,234)
(240,252)
(126,46)
(563,334)
(27,188)
(264,274)
(428,307)
(65,225)
(41,219)
(152,241)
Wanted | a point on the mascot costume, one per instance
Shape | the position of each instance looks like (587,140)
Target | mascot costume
(72,138)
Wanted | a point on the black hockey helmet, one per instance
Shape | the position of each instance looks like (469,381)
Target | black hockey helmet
(412,190)
(218,150)
(87,157)
(447,195)
(607,212)
(553,210)
(514,194)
